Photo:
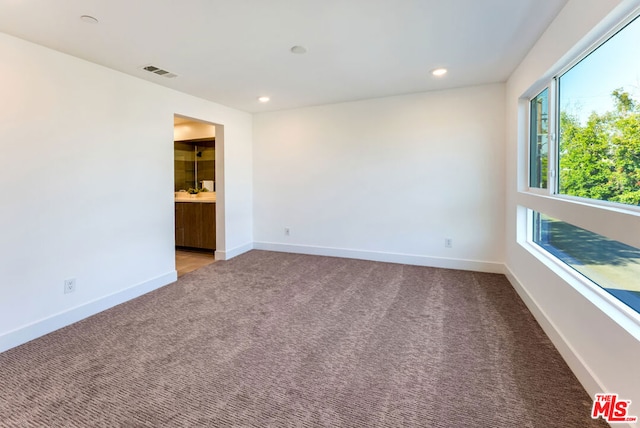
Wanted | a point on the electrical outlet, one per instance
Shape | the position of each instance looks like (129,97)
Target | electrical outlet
(287,231)
(448,242)
(69,285)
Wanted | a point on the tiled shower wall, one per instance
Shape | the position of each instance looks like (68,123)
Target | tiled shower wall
(185,157)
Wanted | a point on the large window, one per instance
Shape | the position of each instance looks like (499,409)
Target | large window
(612,265)
(599,122)
(584,142)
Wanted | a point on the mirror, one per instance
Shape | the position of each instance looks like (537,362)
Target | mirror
(194,162)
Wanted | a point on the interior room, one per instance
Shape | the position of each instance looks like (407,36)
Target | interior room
(195,195)
(315,214)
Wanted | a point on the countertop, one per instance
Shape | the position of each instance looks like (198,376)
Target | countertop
(202,198)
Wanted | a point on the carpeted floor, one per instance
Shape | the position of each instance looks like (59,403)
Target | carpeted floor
(272,339)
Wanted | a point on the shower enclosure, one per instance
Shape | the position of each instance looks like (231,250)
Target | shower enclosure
(194,163)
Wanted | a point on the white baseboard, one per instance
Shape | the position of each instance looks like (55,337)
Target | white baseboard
(226,255)
(409,259)
(587,378)
(590,382)
(47,325)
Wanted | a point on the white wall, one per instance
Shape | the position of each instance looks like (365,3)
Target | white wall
(601,349)
(386,179)
(86,174)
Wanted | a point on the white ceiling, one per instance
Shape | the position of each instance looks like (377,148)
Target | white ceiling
(232,51)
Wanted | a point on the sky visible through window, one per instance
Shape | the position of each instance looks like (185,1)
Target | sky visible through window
(587,87)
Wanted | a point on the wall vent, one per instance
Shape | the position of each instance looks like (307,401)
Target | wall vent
(160,72)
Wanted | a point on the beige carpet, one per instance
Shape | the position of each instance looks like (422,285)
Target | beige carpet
(283,340)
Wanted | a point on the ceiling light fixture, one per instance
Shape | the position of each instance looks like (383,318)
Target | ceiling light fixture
(298,50)
(439,72)
(89,19)
(264,99)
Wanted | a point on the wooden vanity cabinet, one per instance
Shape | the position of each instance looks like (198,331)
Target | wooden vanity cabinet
(196,225)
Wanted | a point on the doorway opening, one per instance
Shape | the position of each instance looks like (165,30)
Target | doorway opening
(197,195)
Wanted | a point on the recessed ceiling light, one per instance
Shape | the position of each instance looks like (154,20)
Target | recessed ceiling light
(298,50)
(264,99)
(89,19)
(439,72)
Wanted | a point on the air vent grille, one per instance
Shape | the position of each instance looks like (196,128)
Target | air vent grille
(160,72)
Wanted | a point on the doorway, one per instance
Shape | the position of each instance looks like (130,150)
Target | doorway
(197,195)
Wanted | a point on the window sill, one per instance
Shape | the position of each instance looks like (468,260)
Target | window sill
(620,313)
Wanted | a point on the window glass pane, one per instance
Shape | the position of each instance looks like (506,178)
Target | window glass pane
(538,160)
(610,264)
(599,121)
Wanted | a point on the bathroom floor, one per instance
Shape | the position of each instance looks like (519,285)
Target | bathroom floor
(188,260)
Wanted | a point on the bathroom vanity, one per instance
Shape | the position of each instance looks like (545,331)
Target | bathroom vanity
(194,168)
(195,219)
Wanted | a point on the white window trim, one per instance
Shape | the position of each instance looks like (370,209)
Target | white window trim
(615,309)
(538,190)
(551,191)
(552,178)
(610,219)
(552,84)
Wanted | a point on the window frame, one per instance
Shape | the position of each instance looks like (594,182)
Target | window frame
(610,219)
(622,314)
(575,273)
(530,125)
(552,84)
